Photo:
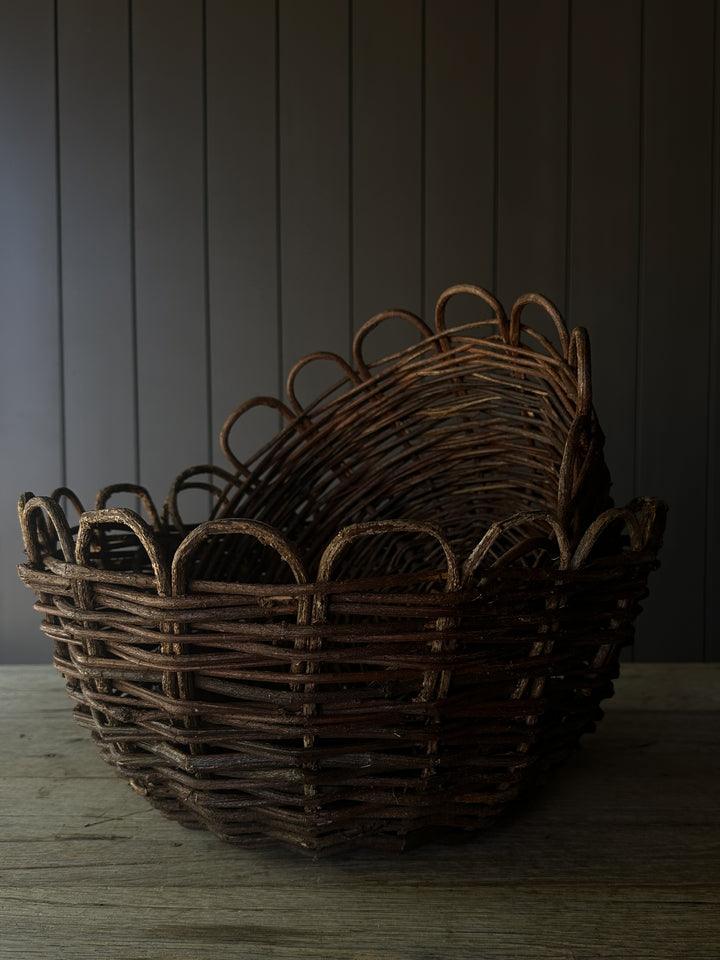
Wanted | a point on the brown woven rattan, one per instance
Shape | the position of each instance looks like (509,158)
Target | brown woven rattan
(401,612)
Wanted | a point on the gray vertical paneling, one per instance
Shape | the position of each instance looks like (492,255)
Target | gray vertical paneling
(167,40)
(314,182)
(459,149)
(30,384)
(242,217)
(387,165)
(532,149)
(712,574)
(604,205)
(675,289)
(215,188)
(94,117)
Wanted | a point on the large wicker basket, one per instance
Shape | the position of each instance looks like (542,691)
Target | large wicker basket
(403,610)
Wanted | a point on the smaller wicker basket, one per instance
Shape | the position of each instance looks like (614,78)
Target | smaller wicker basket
(401,612)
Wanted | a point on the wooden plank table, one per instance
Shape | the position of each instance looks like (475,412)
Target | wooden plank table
(619,856)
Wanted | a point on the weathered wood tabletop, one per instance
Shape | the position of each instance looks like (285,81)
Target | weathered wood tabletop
(619,856)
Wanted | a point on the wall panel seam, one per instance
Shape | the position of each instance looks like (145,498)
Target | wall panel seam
(423,156)
(206,243)
(278,209)
(640,251)
(496,144)
(351,179)
(639,307)
(59,221)
(133,250)
(568,163)
(713,341)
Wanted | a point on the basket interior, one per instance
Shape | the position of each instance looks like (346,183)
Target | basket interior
(460,432)
(461,439)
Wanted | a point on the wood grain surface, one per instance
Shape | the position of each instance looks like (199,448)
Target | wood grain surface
(619,856)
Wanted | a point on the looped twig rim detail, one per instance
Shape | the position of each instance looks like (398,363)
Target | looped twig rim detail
(476,291)
(310,358)
(373,322)
(272,403)
(549,308)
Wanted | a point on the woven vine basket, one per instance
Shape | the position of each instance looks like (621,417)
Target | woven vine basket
(401,612)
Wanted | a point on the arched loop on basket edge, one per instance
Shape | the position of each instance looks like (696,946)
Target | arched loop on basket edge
(578,356)
(476,291)
(136,490)
(143,531)
(373,322)
(171,512)
(348,535)
(273,403)
(72,498)
(574,464)
(494,532)
(34,512)
(552,311)
(318,355)
(652,515)
(263,532)
(644,520)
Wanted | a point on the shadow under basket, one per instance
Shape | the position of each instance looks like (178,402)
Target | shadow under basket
(400,613)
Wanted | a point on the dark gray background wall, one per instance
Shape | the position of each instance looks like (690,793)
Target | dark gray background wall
(193,195)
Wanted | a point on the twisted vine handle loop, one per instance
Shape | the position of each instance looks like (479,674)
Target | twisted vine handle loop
(135,523)
(262,532)
(70,495)
(273,403)
(579,357)
(600,524)
(435,684)
(32,512)
(348,535)
(476,291)
(140,492)
(318,355)
(373,322)
(549,308)
(497,529)
(184,481)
